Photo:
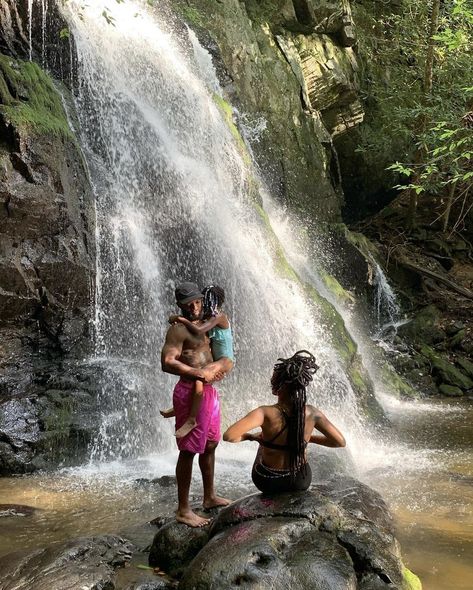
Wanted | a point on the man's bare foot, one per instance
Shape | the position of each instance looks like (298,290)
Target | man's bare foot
(169,413)
(192,519)
(188,425)
(215,502)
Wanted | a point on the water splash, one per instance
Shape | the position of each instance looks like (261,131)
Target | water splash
(171,185)
(388,313)
(30,29)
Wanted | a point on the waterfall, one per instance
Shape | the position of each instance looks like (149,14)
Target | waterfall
(172,185)
(388,314)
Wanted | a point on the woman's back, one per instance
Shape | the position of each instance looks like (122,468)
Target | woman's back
(275,446)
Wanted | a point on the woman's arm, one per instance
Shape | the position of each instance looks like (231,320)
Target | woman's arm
(200,329)
(239,431)
(330,435)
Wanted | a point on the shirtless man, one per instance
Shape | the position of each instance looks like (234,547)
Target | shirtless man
(187,355)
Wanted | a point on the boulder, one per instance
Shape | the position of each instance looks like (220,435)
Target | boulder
(450,390)
(338,535)
(333,17)
(274,552)
(446,372)
(81,563)
(175,545)
(465,365)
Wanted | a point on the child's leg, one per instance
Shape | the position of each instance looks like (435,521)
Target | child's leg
(191,421)
(169,413)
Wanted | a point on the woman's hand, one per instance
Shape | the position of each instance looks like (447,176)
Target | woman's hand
(251,436)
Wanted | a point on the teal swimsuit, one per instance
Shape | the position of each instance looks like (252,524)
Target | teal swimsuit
(221,342)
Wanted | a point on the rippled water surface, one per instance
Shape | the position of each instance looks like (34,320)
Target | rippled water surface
(425,474)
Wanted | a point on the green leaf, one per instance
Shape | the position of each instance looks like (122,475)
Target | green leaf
(64,33)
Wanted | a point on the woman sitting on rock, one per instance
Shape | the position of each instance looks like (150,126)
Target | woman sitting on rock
(286,429)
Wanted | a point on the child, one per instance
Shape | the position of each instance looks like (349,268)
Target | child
(217,325)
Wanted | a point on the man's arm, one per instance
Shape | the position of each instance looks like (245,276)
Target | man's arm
(171,353)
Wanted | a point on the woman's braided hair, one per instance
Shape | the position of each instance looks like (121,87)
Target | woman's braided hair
(213,298)
(296,373)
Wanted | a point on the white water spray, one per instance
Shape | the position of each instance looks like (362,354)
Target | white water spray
(172,204)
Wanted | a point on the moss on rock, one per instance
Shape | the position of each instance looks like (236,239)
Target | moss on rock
(29,100)
(445,371)
(410,580)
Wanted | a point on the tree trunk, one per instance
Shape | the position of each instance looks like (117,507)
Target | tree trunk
(446,214)
(422,119)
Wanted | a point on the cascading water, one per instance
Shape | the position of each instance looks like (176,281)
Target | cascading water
(173,204)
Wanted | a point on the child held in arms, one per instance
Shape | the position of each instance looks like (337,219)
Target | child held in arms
(216,325)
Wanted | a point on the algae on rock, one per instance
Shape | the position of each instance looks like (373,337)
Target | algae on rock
(28,99)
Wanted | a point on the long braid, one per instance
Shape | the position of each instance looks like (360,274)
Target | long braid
(297,372)
(213,299)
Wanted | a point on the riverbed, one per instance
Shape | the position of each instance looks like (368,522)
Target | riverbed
(424,471)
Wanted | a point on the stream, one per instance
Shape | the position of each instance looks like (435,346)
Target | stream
(425,475)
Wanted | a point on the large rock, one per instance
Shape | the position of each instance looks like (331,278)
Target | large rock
(47,264)
(274,552)
(289,140)
(337,535)
(81,563)
(332,17)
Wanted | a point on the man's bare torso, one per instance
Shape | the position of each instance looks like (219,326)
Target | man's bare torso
(195,349)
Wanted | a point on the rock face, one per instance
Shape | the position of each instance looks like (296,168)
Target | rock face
(289,65)
(47,269)
(82,563)
(338,535)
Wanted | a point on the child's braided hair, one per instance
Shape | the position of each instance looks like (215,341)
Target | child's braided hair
(213,299)
(296,372)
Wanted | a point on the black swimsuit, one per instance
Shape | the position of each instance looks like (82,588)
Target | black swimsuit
(273,481)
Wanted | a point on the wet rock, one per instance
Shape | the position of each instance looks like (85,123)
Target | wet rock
(16,510)
(175,545)
(450,390)
(157,584)
(424,327)
(447,372)
(81,563)
(47,267)
(165,481)
(274,552)
(338,532)
(465,365)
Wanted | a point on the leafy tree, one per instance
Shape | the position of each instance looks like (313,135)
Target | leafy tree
(424,51)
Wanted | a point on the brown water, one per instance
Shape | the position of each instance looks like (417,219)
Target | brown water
(425,473)
(433,504)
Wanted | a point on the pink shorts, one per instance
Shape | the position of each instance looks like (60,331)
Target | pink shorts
(208,417)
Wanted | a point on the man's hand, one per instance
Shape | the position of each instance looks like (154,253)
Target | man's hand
(211,375)
(174,319)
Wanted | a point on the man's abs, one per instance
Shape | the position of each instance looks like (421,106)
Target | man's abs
(196,351)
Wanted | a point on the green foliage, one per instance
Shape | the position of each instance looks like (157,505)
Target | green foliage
(398,47)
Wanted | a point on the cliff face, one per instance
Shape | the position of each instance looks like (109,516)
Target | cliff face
(46,264)
(288,64)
